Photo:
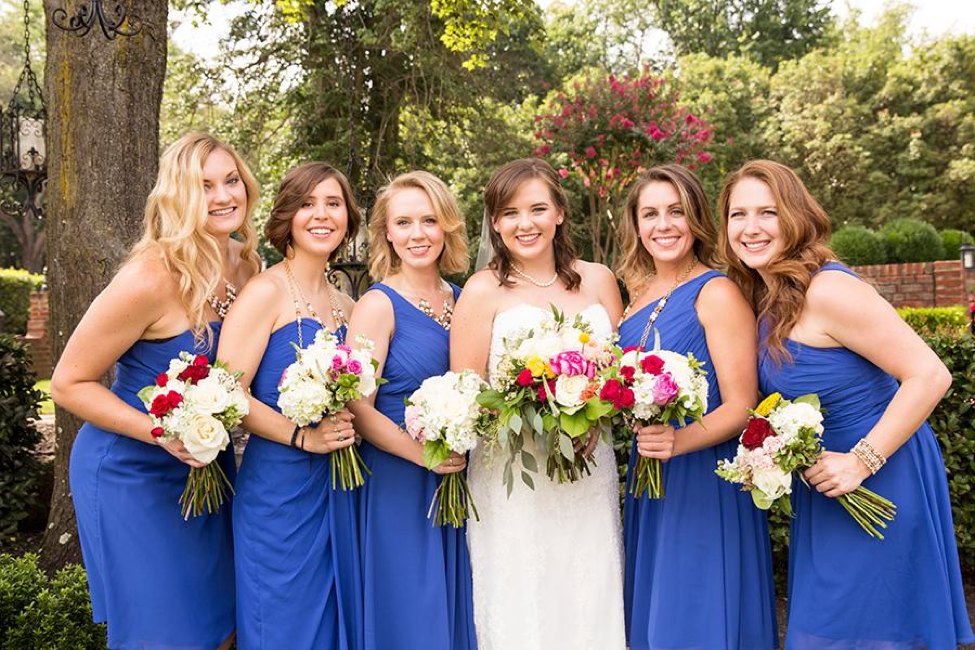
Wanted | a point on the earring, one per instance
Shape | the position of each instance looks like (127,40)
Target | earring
(289,252)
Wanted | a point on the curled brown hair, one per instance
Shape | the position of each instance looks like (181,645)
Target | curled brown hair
(295,187)
(804,228)
(636,263)
(498,193)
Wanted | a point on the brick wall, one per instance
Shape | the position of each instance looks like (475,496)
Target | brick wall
(919,284)
(37,337)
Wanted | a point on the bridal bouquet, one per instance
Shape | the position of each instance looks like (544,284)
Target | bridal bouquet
(784,436)
(444,415)
(548,385)
(197,403)
(323,379)
(666,386)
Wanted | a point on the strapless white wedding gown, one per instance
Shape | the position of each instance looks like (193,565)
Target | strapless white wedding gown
(547,564)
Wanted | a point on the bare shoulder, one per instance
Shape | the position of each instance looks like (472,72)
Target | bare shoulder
(145,276)
(835,292)
(482,285)
(373,304)
(263,287)
(718,291)
(593,272)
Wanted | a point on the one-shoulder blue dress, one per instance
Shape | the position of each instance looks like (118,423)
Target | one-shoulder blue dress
(159,581)
(295,538)
(698,570)
(417,576)
(848,590)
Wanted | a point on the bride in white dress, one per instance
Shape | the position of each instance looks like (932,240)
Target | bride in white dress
(546,563)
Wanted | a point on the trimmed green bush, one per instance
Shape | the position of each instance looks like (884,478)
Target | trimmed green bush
(952,240)
(39,613)
(19,469)
(953,421)
(912,240)
(936,321)
(857,245)
(15,289)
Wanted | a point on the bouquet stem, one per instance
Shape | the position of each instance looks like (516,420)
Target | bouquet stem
(452,501)
(205,489)
(647,477)
(869,509)
(562,470)
(347,466)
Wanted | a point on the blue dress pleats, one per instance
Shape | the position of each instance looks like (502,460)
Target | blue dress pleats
(417,577)
(159,581)
(698,572)
(295,538)
(848,590)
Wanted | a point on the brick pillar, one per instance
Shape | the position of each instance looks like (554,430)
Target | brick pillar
(949,283)
(37,337)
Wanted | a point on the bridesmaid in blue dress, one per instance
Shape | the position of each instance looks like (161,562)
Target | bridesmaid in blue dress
(158,581)
(295,543)
(698,570)
(417,577)
(830,333)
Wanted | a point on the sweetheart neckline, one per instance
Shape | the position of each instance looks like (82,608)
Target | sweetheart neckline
(547,310)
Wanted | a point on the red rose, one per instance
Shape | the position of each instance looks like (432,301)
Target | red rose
(156,432)
(631,348)
(162,379)
(652,364)
(542,395)
(194,373)
(201,360)
(525,378)
(611,391)
(755,434)
(626,399)
(627,372)
(160,406)
(174,399)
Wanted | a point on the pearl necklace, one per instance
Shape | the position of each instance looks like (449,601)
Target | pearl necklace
(221,307)
(338,316)
(517,269)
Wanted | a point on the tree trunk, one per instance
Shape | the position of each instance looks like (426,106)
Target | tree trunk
(103,101)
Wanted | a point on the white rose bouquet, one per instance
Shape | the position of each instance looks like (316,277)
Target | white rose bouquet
(784,436)
(444,415)
(659,386)
(548,385)
(323,379)
(198,404)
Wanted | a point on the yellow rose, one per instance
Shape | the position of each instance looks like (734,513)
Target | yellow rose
(768,404)
(536,366)
(548,370)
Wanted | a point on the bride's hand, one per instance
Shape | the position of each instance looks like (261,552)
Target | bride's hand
(455,463)
(586,446)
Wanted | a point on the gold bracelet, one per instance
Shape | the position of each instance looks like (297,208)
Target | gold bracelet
(870,456)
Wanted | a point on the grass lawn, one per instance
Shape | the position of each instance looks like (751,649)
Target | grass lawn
(47,406)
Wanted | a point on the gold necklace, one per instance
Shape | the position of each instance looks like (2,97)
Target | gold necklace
(661,303)
(517,269)
(338,316)
(221,307)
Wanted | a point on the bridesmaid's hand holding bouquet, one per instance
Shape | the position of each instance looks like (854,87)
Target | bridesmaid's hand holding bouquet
(197,404)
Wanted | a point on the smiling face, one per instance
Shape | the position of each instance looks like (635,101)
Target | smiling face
(320,224)
(753,223)
(225,193)
(662,224)
(412,228)
(528,221)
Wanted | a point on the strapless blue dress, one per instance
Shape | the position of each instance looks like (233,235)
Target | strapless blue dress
(298,580)
(417,576)
(848,590)
(159,581)
(698,571)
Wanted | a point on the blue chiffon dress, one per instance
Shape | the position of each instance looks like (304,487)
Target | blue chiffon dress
(159,581)
(848,590)
(417,576)
(297,556)
(698,567)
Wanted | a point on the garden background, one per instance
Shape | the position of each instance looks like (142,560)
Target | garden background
(878,120)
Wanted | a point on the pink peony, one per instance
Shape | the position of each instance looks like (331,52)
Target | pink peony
(354,366)
(664,389)
(569,363)
(337,362)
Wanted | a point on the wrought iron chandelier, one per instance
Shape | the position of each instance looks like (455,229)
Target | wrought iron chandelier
(86,15)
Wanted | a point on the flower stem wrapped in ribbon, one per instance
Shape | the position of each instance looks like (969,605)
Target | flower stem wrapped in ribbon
(198,404)
(785,436)
(325,377)
(547,387)
(444,415)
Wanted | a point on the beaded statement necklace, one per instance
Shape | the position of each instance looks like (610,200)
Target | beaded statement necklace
(660,304)
(338,316)
(221,307)
(446,315)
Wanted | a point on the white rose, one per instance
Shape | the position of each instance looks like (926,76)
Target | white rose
(204,437)
(568,390)
(773,482)
(209,396)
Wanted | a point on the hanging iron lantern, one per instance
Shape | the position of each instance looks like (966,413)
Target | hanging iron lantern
(351,271)
(86,15)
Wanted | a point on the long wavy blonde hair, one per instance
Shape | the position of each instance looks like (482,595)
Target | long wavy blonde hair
(804,228)
(175,226)
(636,264)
